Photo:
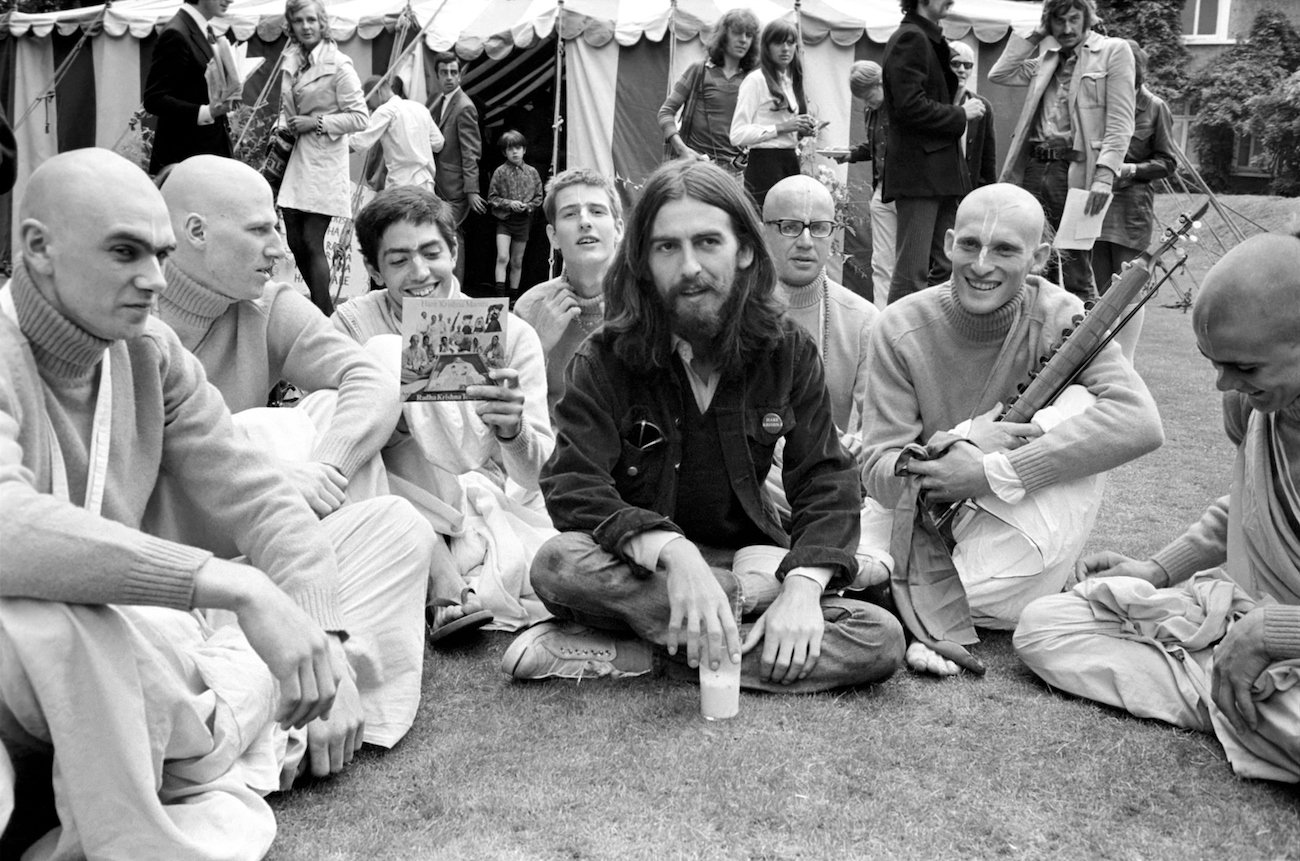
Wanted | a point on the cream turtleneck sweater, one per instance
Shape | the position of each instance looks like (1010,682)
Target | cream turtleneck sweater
(246,347)
(842,329)
(932,365)
(164,417)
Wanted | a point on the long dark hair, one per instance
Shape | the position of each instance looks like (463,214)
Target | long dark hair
(634,312)
(741,21)
(781,30)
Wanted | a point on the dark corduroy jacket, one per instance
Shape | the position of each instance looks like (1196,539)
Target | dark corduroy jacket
(610,479)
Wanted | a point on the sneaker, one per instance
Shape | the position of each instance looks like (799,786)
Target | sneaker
(567,650)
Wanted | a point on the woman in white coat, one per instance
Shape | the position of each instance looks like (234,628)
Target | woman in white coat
(321,103)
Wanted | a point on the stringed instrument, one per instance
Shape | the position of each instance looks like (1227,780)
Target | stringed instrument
(1091,332)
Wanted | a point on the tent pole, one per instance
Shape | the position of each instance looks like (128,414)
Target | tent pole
(411,46)
(86,32)
(672,46)
(261,100)
(557,117)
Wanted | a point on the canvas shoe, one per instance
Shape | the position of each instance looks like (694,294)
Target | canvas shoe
(567,650)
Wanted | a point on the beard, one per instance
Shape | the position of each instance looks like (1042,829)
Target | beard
(703,328)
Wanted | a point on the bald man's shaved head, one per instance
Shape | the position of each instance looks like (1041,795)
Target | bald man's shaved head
(797,191)
(1256,283)
(210,183)
(1003,198)
(92,231)
(995,243)
(72,185)
(223,213)
(801,199)
(1247,320)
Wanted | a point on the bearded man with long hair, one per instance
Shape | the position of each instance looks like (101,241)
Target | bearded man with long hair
(666,429)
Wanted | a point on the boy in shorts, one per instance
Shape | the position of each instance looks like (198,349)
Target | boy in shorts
(513,194)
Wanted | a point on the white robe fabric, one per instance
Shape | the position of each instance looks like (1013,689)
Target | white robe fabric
(161,728)
(383,549)
(447,469)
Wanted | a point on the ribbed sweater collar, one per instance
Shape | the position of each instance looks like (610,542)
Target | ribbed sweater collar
(590,306)
(188,302)
(981,328)
(61,347)
(806,296)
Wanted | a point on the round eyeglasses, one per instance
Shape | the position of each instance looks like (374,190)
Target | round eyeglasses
(790,227)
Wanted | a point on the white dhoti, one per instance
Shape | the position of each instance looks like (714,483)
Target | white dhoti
(1121,641)
(493,525)
(383,547)
(1008,554)
(161,729)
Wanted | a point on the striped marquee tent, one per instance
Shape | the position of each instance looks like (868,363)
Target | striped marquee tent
(72,79)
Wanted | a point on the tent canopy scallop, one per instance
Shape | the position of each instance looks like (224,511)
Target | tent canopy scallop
(496,27)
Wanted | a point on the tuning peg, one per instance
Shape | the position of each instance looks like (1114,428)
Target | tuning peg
(1089,305)
(1196,225)
(1042,360)
(1076,319)
(1020,390)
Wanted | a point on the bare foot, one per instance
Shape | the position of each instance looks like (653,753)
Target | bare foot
(923,659)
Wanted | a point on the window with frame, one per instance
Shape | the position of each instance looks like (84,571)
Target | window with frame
(1205,20)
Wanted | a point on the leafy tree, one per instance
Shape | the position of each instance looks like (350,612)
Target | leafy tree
(1275,120)
(1222,91)
(1156,25)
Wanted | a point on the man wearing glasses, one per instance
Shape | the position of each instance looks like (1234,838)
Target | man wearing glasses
(799,216)
(667,426)
(978,145)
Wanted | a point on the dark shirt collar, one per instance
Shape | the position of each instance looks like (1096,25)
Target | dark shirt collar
(931,29)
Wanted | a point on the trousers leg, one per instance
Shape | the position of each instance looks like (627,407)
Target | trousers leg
(383,547)
(884,238)
(1049,182)
(579,581)
(944,220)
(916,218)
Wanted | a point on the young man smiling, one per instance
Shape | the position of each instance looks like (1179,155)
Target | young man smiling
(955,354)
(1205,634)
(472,466)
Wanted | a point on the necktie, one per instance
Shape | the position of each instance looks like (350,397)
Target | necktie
(212,36)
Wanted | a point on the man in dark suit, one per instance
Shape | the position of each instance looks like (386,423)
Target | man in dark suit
(176,90)
(980,145)
(457,179)
(925,130)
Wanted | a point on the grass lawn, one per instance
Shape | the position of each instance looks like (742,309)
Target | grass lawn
(914,768)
